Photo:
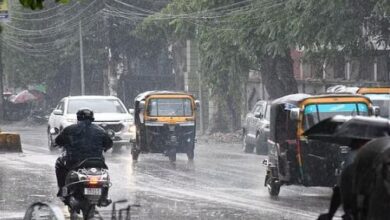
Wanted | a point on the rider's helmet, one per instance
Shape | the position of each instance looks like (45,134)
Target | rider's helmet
(85,114)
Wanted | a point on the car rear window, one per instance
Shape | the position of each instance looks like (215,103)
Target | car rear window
(97,105)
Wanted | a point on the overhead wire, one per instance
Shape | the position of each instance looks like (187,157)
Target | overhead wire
(13,17)
(41,31)
(192,15)
(240,8)
(131,13)
(54,44)
(38,11)
(33,48)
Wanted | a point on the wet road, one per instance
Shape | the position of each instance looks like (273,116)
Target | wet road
(222,183)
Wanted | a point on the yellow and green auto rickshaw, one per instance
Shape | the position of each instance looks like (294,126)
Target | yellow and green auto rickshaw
(295,160)
(165,123)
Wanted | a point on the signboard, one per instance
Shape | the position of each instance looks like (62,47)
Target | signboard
(4,10)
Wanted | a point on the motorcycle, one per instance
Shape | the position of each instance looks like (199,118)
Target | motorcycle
(86,186)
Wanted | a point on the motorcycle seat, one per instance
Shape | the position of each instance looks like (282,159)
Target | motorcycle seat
(90,163)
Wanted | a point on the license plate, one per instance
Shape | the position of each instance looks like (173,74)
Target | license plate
(173,139)
(92,191)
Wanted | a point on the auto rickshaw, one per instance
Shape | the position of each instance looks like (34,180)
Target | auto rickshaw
(165,123)
(380,96)
(295,160)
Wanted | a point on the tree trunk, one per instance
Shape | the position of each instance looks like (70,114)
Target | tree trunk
(218,120)
(58,85)
(278,76)
(234,113)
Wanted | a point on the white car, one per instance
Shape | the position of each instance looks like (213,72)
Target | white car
(109,112)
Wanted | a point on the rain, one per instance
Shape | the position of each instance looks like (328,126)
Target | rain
(235,109)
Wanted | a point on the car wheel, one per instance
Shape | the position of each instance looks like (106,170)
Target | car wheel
(248,148)
(261,147)
(50,141)
(273,186)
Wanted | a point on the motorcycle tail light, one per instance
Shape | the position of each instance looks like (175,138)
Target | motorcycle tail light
(93,180)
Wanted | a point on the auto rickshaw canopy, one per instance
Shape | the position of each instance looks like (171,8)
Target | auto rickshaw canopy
(284,128)
(143,96)
(280,111)
(374,90)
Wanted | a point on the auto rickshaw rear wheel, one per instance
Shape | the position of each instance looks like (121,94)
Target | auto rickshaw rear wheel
(172,154)
(190,153)
(273,186)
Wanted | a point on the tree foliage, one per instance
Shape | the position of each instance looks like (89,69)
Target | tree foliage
(260,35)
(37,4)
(234,36)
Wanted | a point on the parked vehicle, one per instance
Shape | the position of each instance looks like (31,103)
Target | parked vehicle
(166,123)
(110,114)
(292,158)
(256,128)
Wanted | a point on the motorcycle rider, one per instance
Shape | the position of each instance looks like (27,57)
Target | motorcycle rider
(80,141)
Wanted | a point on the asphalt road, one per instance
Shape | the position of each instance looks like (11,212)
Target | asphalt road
(221,183)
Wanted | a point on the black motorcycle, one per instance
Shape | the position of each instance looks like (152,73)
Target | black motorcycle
(86,186)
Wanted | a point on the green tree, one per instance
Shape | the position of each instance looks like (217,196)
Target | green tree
(233,37)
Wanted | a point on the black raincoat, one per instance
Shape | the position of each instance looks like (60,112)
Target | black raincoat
(83,140)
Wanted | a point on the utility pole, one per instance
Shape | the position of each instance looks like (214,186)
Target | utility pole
(1,87)
(81,61)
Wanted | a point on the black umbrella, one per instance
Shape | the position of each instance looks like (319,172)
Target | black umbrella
(345,130)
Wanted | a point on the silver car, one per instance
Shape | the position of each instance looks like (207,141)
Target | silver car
(109,112)
(256,128)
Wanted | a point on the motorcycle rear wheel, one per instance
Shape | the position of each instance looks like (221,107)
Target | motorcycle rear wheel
(73,214)
(89,212)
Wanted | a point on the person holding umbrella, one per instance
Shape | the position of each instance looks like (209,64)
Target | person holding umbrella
(342,193)
(354,132)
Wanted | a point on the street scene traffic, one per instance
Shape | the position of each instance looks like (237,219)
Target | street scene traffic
(191,109)
(221,183)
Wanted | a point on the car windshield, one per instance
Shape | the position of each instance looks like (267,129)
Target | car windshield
(315,113)
(169,107)
(383,101)
(97,105)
